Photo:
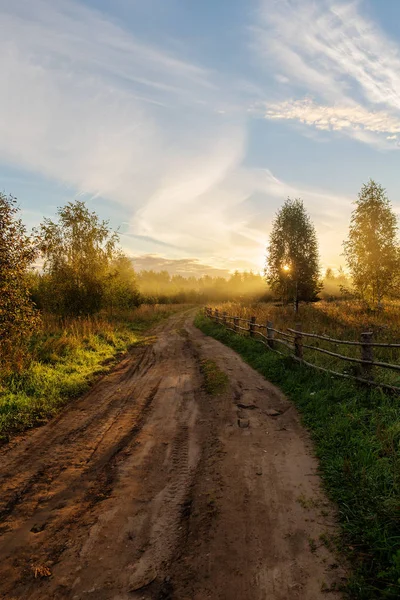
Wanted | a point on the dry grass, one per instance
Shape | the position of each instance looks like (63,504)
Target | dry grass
(343,320)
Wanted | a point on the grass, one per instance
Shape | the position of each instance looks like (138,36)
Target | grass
(64,360)
(215,380)
(356,432)
(343,320)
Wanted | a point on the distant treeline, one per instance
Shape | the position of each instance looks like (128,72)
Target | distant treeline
(161,287)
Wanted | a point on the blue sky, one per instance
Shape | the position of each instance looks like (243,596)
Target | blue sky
(187,123)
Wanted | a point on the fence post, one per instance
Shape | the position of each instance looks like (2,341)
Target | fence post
(298,342)
(217,315)
(235,324)
(224,318)
(367,353)
(270,334)
(251,326)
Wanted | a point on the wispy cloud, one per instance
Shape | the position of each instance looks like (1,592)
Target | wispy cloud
(89,103)
(335,118)
(95,105)
(331,51)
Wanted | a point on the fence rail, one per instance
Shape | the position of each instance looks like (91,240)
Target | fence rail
(294,342)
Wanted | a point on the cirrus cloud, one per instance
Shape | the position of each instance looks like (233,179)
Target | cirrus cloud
(334,53)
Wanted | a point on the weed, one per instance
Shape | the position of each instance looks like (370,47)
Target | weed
(307,503)
(312,544)
(215,380)
(329,541)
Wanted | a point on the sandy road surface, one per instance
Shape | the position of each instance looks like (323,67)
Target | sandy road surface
(148,488)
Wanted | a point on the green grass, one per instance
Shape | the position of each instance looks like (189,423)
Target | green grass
(356,432)
(215,380)
(65,358)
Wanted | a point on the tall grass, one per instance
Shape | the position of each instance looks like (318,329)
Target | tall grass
(343,320)
(357,440)
(64,359)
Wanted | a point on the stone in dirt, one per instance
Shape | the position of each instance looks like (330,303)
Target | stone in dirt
(243,423)
(247,405)
(271,412)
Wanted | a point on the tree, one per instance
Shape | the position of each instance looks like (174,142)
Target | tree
(122,290)
(77,252)
(371,248)
(292,267)
(18,317)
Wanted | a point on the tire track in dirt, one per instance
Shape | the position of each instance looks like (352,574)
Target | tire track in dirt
(146,488)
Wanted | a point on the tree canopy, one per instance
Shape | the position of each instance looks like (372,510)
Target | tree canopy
(292,266)
(371,248)
(18,317)
(77,252)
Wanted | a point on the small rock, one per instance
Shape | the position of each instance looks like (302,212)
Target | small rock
(243,423)
(247,406)
(271,412)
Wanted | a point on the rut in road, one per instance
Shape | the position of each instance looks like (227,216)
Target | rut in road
(147,488)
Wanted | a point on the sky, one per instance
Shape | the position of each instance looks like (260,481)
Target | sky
(187,124)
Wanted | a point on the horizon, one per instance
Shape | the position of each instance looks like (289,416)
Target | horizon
(188,127)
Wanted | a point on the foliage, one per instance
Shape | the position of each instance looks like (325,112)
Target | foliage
(292,268)
(77,251)
(18,318)
(357,440)
(121,288)
(371,249)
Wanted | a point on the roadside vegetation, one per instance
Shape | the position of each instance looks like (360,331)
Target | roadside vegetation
(357,440)
(342,320)
(63,324)
(65,357)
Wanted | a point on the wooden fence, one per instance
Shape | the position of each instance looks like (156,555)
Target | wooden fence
(295,341)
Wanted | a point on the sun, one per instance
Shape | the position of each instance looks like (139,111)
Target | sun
(286,268)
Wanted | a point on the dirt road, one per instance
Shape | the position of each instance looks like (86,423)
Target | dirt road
(148,488)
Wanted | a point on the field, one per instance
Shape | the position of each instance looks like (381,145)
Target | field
(343,320)
(356,431)
(64,359)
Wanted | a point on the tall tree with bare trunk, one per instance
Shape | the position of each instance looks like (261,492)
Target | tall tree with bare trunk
(292,267)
